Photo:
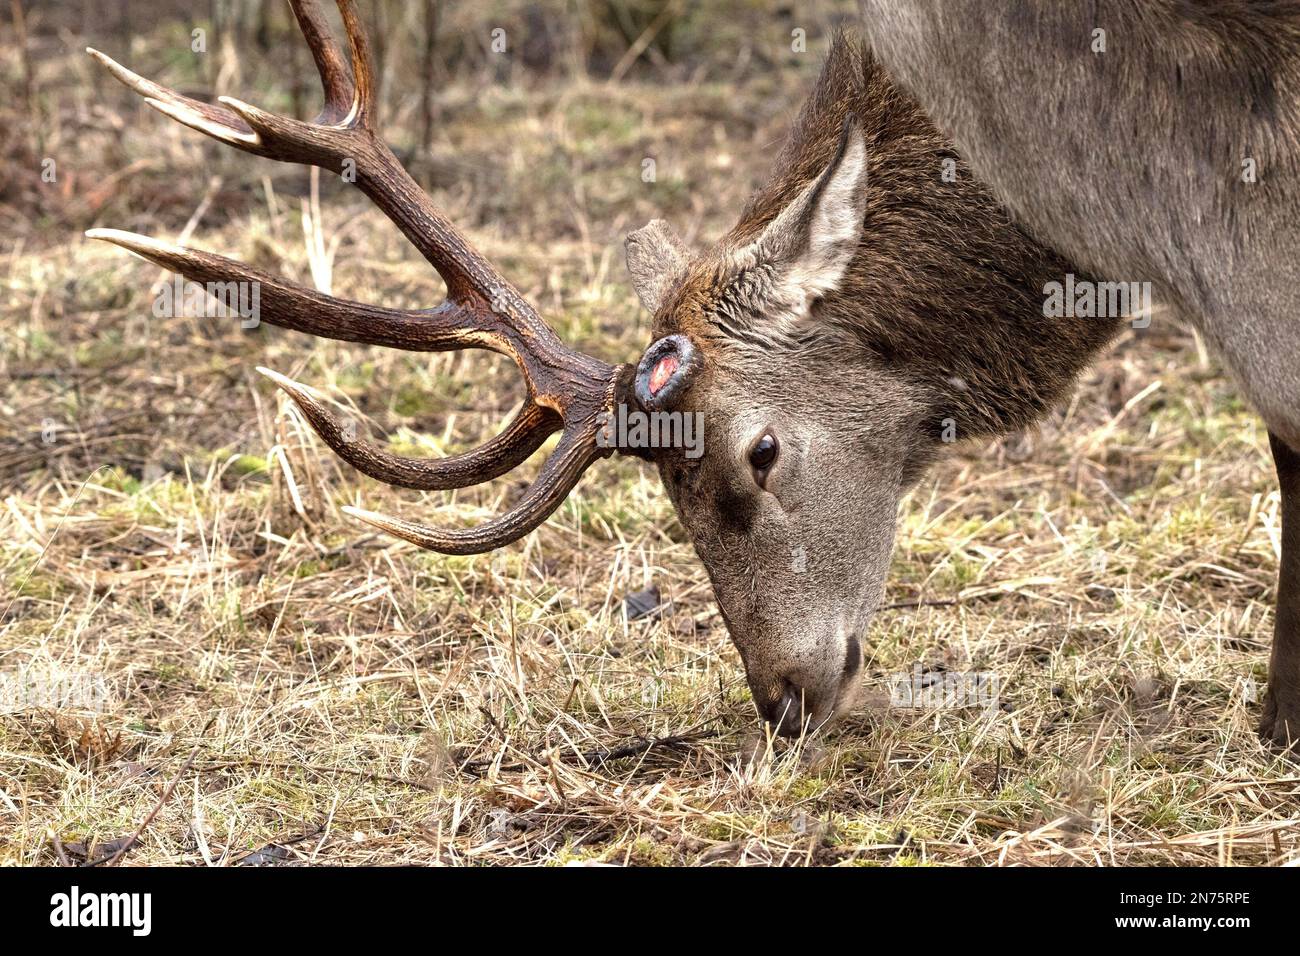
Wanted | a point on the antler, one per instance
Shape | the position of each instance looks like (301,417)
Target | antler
(566,389)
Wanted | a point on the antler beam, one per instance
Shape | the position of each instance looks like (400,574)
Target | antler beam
(566,389)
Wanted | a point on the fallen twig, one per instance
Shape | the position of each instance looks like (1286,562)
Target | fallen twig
(59,848)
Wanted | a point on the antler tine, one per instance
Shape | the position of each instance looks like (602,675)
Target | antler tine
(363,73)
(511,448)
(329,60)
(558,476)
(215,121)
(293,306)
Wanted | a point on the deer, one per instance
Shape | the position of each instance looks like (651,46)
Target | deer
(862,308)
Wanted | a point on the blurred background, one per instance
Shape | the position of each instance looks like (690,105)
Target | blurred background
(454,81)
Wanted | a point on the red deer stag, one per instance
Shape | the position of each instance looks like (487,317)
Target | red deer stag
(861,309)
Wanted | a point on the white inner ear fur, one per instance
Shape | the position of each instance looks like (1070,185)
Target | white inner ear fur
(836,221)
(810,243)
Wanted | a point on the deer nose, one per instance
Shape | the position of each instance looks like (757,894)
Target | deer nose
(795,704)
(788,710)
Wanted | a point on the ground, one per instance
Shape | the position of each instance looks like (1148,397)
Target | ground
(282,685)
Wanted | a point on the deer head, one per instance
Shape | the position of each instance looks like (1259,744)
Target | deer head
(872,305)
(816,339)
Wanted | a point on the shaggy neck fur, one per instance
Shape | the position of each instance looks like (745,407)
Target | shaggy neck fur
(944,289)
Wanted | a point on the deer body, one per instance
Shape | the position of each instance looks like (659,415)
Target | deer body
(1169,152)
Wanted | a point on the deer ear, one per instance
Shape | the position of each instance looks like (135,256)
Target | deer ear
(811,242)
(656,257)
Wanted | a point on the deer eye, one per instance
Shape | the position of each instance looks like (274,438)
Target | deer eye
(763,456)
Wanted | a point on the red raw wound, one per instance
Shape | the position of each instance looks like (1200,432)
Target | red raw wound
(664,370)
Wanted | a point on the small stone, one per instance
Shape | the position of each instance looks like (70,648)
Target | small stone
(643,603)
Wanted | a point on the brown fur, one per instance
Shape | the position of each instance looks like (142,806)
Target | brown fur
(1130,160)
(944,287)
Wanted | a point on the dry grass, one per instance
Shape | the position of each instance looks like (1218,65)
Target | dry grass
(347,699)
